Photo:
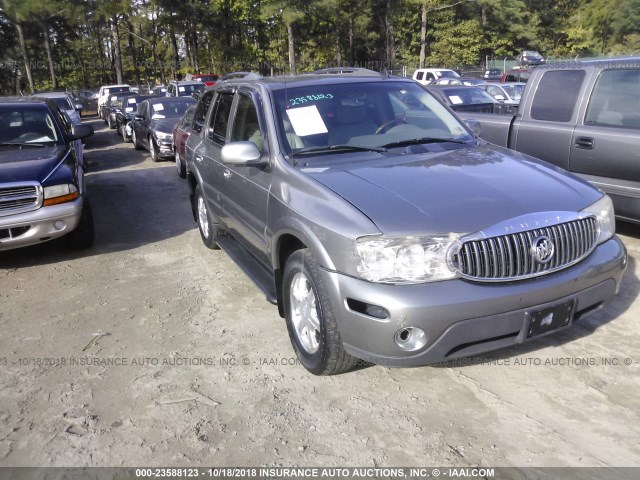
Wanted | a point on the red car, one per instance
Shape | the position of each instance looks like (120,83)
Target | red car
(208,79)
(181,133)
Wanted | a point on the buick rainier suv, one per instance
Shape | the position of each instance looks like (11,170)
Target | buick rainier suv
(385,230)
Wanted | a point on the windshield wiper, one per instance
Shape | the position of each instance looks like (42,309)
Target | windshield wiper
(419,141)
(337,148)
(21,144)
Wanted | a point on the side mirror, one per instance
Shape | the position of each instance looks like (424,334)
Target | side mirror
(241,154)
(474,126)
(78,106)
(78,132)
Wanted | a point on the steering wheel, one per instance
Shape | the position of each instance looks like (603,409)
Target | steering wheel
(391,123)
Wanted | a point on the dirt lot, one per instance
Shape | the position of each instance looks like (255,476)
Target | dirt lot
(197,368)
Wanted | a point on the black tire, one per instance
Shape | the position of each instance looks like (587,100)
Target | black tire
(153,150)
(83,235)
(134,139)
(329,356)
(117,127)
(109,122)
(180,166)
(123,132)
(205,225)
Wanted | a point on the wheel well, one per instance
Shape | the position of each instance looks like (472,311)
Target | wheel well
(287,244)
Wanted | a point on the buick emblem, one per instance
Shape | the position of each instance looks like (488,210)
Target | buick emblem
(542,249)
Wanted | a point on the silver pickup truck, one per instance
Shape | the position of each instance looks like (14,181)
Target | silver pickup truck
(583,117)
(386,231)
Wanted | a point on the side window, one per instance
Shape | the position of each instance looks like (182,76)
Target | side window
(246,126)
(615,101)
(220,118)
(556,96)
(420,76)
(430,76)
(201,112)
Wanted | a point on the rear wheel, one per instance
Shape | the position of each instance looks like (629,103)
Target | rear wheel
(109,122)
(310,317)
(205,226)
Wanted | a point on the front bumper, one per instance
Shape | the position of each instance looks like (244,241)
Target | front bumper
(165,148)
(463,318)
(41,225)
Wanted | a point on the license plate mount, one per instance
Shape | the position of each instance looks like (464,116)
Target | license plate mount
(550,319)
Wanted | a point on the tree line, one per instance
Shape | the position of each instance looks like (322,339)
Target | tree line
(55,44)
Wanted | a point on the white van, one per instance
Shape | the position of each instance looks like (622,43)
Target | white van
(425,76)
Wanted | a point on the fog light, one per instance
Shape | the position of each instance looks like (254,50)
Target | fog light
(59,224)
(411,338)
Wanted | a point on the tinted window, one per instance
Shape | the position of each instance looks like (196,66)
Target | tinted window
(220,120)
(246,126)
(201,112)
(420,75)
(616,100)
(556,96)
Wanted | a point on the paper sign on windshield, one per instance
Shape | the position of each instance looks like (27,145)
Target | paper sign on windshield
(306,121)
(181,89)
(456,100)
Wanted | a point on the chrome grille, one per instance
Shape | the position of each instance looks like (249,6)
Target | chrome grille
(513,256)
(18,198)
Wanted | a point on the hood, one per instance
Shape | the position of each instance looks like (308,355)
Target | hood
(29,163)
(164,125)
(460,191)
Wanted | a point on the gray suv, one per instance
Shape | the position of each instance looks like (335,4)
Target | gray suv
(384,229)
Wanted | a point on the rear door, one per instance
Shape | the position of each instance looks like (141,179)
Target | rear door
(605,146)
(545,129)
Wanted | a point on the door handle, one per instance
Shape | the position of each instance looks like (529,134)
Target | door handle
(227,174)
(585,143)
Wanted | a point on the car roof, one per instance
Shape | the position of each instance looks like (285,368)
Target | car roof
(154,100)
(116,86)
(186,82)
(24,100)
(51,94)
(287,81)
(345,71)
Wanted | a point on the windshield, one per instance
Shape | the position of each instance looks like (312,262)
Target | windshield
(447,74)
(27,125)
(467,96)
(187,90)
(116,90)
(63,103)
(170,109)
(514,91)
(363,115)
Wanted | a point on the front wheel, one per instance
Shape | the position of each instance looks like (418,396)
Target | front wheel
(123,132)
(310,317)
(134,139)
(153,150)
(205,226)
(182,171)
(83,235)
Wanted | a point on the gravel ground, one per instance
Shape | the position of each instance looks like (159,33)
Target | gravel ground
(196,368)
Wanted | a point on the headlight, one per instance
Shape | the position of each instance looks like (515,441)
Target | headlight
(165,137)
(603,210)
(56,194)
(405,260)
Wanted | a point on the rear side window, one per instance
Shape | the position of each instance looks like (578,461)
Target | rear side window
(220,119)
(615,101)
(556,96)
(420,75)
